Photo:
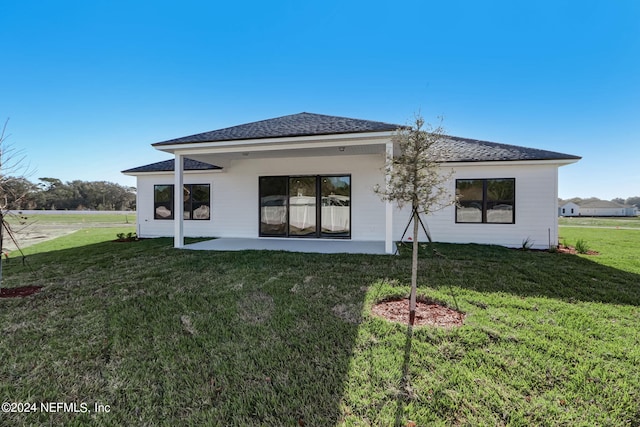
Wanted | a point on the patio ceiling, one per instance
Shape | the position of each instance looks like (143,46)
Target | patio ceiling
(221,158)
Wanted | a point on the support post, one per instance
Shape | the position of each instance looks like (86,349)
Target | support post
(178,199)
(554,232)
(388,236)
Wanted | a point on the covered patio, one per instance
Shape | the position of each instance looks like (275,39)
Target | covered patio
(291,245)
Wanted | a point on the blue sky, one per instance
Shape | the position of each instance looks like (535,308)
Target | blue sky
(88,86)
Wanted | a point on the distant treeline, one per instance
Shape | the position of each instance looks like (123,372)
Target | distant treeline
(629,201)
(51,193)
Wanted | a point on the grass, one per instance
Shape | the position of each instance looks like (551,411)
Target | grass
(79,218)
(35,228)
(618,248)
(622,222)
(169,337)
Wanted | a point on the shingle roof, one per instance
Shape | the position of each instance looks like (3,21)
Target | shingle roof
(601,204)
(302,124)
(306,124)
(456,149)
(169,166)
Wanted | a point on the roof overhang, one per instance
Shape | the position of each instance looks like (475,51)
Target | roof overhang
(222,153)
(186,172)
(269,144)
(550,162)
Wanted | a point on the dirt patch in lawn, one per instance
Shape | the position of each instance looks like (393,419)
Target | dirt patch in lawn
(427,313)
(21,291)
(256,308)
(573,251)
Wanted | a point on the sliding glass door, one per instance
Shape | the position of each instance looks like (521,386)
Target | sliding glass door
(294,206)
(273,206)
(302,206)
(336,206)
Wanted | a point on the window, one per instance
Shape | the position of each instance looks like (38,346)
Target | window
(197,201)
(273,206)
(305,206)
(163,201)
(486,200)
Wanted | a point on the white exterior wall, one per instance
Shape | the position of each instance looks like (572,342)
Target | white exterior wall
(570,209)
(603,211)
(150,227)
(234,195)
(234,201)
(535,211)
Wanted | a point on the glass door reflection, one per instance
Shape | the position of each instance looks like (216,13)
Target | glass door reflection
(302,206)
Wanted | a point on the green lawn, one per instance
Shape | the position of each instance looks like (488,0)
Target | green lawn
(168,337)
(32,229)
(77,218)
(619,248)
(622,222)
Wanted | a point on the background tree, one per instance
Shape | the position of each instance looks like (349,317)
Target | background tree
(416,179)
(633,201)
(19,193)
(93,195)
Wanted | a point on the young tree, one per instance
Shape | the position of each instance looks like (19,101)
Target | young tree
(12,170)
(415,178)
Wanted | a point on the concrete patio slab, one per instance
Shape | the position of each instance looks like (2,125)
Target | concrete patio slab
(290,245)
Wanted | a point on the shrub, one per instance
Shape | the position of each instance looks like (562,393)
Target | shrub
(129,237)
(527,244)
(582,247)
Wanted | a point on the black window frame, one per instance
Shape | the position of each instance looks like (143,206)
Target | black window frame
(190,202)
(486,201)
(318,234)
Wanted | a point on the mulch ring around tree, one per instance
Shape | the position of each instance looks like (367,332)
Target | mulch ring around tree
(21,291)
(427,313)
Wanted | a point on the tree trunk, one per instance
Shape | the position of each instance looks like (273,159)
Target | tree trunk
(1,245)
(414,269)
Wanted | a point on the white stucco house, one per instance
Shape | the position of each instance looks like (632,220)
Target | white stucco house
(311,176)
(597,208)
(569,209)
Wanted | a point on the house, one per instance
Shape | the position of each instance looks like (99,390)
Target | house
(569,209)
(596,207)
(311,176)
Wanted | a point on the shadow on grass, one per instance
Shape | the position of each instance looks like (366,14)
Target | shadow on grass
(170,337)
(190,337)
(405,393)
(528,274)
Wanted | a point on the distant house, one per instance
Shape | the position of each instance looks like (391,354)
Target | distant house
(311,176)
(606,208)
(569,209)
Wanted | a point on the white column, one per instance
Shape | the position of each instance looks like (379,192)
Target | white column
(553,230)
(388,236)
(178,202)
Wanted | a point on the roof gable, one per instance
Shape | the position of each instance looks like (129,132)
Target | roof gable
(302,124)
(169,166)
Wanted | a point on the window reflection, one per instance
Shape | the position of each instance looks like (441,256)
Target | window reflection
(302,206)
(273,206)
(293,206)
(486,200)
(336,205)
